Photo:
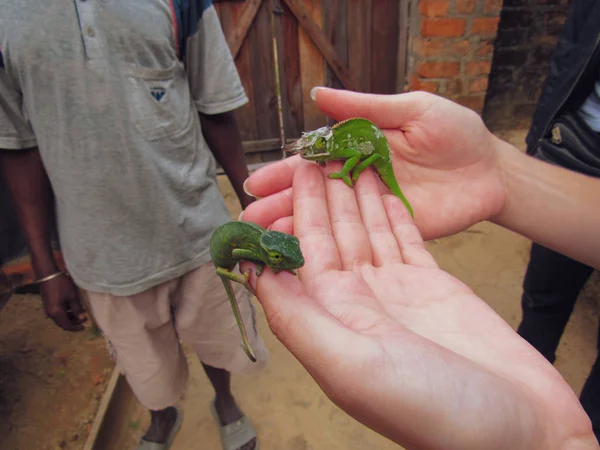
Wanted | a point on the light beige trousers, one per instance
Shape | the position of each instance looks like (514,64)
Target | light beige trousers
(144,332)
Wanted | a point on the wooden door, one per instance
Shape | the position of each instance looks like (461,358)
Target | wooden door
(283,48)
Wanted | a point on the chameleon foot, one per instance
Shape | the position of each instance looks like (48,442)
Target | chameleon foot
(336,175)
(246,283)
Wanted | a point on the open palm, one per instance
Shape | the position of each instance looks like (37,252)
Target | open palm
(399,344)
(442,155)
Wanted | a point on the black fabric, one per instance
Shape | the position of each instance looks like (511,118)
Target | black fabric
(571,144)
(574,69)
(551,287)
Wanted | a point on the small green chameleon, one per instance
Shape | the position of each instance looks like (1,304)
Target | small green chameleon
(358,142)
(237,241)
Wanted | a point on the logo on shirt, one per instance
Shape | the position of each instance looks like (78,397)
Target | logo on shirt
(158,93)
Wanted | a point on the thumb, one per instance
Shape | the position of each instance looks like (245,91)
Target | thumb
(387,111)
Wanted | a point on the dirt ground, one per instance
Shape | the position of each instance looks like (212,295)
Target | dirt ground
(286,406)
(51,381)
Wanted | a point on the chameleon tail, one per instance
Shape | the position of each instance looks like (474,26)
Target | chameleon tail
(238,318)
(386,172)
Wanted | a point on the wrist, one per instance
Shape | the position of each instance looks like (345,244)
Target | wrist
(509,161)
(42,260)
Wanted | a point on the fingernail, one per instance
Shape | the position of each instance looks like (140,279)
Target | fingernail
(245,188)
(313,92)
(240,217)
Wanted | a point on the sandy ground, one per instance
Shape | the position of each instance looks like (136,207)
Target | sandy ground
(287,407)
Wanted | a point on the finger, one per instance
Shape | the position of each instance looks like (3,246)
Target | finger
(273,178)
(410,241)
(75,306)
(311,334)
(267,210)
(59,315)
(76,313)
(387,111)
(348,230)
(285,225)
(311,223)
(384,247)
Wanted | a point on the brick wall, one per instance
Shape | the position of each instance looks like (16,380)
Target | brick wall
(527,34)
(451,48)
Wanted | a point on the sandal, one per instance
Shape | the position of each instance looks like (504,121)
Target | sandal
(147,445)
(235,434)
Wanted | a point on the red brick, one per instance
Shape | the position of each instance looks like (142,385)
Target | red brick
(478,85)
(438,69)
(417,84)
(485,25)
(492,6)
(478,67)
(434,8)
(427,49)
(459,48)
(465,6)
(443,27)
(484,48)
(454,87)
(474,102)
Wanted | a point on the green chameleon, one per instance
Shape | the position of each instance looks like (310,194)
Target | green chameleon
(237,241)
(358,142)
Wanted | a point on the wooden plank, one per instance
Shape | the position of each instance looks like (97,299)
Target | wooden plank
(316,34)
(336,32)
(277,69)
(385,46)
(91,442)
(110,430)
(402,62)
(246,115)
(263,73)
(237,35)
(359,41)
(312,69)
(286,32)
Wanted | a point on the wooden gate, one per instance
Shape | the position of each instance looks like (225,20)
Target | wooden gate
(283,48)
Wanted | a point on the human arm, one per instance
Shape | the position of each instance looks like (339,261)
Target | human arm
(223,138)
(555,207)
(456,173)
(397,343)
(30,190)
(217,90)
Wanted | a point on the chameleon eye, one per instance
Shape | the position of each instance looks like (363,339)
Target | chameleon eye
(320,143)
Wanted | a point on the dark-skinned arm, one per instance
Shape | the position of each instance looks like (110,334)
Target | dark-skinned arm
(32,196)
(223,138)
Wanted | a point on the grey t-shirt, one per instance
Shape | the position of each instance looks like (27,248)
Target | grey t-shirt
(109,91)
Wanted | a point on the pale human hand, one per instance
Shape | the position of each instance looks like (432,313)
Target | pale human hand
(399,344)
(443,156)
